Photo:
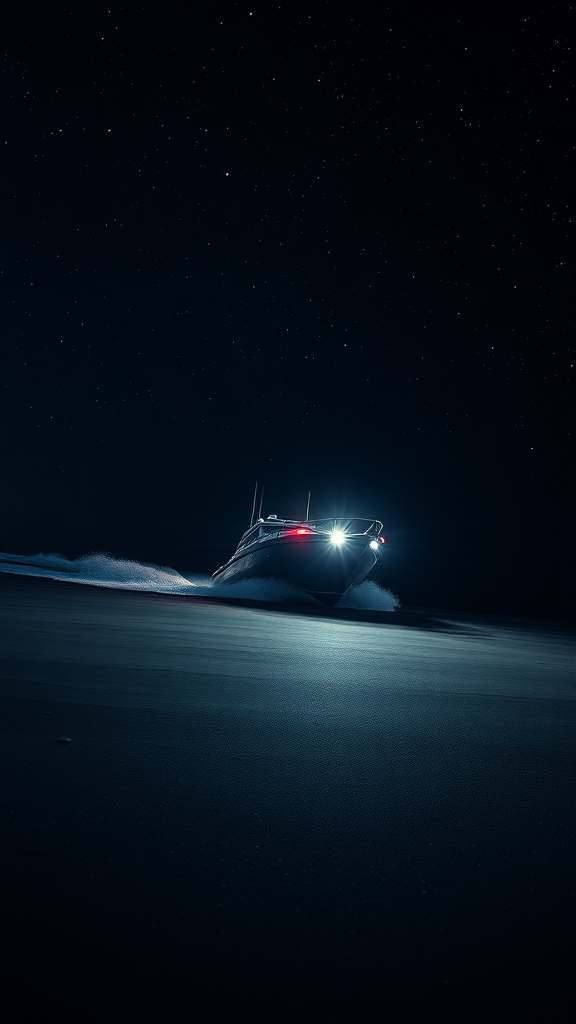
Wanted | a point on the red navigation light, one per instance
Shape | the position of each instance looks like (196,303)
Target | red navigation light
(298,531)
(382,540)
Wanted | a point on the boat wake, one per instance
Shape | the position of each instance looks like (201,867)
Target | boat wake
(98,569)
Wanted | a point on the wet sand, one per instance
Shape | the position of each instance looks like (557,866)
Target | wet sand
(277,815)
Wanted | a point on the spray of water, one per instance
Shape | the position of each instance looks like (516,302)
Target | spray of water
(369,596)
(99,569)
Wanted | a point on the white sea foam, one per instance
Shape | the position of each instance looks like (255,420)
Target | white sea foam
(370,597)
(99,569)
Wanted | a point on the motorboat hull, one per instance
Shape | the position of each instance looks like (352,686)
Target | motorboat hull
(312,563)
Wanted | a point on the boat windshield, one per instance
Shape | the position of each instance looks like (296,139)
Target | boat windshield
(348,526)
(269,529)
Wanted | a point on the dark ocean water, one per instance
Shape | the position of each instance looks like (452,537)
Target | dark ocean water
(276,813)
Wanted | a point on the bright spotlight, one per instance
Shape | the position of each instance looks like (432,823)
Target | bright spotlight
(338,537)
(374,545)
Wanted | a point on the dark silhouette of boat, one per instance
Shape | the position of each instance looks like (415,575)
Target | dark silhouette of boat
(321,556)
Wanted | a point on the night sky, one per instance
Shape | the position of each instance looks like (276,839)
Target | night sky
(323,245)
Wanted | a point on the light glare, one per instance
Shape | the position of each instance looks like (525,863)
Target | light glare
(337,537)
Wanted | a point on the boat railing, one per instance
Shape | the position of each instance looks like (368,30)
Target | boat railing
(351,527)
(374,526)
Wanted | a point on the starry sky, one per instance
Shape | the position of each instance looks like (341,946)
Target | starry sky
(325,246)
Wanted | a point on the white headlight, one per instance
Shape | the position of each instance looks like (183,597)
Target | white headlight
(337,537)
(374,545)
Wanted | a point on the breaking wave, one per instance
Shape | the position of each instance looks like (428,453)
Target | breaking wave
(99,569)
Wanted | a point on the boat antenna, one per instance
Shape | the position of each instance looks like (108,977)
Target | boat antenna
(254,504)
(261,500)
(307,508)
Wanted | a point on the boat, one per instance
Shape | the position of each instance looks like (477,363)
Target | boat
(321,556)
